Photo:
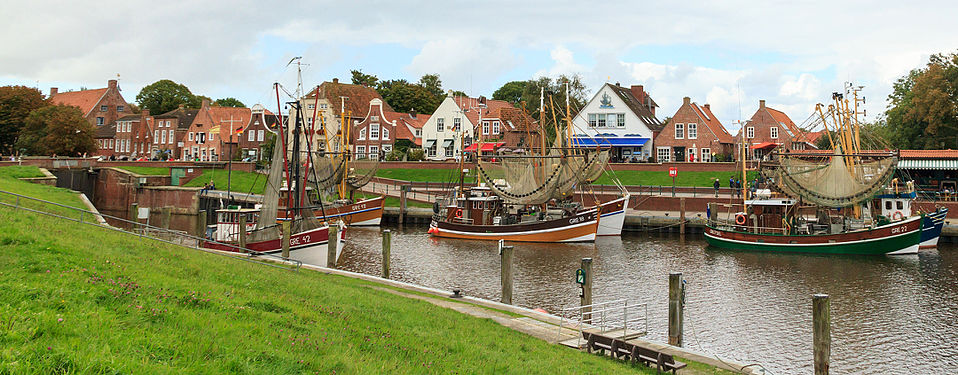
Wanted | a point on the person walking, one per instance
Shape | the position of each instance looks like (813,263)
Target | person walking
(716,186)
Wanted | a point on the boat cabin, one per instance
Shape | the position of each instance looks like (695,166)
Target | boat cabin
(228,221)
(480,206)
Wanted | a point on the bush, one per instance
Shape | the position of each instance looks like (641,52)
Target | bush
(394,155)
(416,154)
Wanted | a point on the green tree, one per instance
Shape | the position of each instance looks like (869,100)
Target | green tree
(433,84)
(553,94)
(16,103)
(165,95)
(512,92)
(57,130)
(360,78)
(229,102)
(405,97)
(923,106)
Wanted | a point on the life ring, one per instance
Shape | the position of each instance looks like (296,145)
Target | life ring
(897,216)
(459,213)
(740,219)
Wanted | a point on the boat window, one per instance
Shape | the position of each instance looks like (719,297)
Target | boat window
(900,205)
(887,205)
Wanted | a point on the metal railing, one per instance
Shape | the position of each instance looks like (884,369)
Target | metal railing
(617,316)
(141,230)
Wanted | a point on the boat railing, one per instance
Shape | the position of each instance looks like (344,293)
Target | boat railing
(142,230)
(619,318)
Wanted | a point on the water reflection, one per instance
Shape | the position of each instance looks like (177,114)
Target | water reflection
(889,314)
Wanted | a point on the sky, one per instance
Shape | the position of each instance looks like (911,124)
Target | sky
(729,54)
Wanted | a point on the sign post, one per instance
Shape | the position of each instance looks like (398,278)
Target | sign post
(673,172)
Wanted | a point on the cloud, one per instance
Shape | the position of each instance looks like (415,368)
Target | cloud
(463,62)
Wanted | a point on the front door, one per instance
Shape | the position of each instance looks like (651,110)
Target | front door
(678,153)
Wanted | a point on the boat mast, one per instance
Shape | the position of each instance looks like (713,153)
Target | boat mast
(344,144)
(282,139)
(542,119)
(744,154)
(297,187)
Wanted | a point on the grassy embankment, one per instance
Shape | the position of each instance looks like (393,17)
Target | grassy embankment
(81,299)
(655,178)
(147,171)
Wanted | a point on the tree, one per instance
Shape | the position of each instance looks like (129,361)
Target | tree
(923,106)
(511,92)
(57,130)
(360,78)
(16,103)
(405,97)
(165,95)
(433,84)
(553,93)
(229,102)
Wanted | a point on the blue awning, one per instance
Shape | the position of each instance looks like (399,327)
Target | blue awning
(609,141)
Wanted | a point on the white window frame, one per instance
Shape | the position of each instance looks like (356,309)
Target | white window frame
(171,136)
(749,132)
(456,124)
(310,107)
(387,148)
(620,120)
(156,134)
(385,133)
(360,152)
(774,132)
(250,135)
(418,133)
(449,151)
(495,127)
(373,152)
(374,118)
(440,124)
(663,151)
(706,153)
(485,128)
(679,131)
(691,130)
(600,120)
(162,137)
(431,151)
(362,135)
(592,120)
(190,137)
(691,151)
(119,108)
(259,135)
(374,131)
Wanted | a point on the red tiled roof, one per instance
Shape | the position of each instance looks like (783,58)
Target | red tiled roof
(516,120)
(404,119)
(782,118)
(84,99)
(359,97)
(929,154)
(490,111)
(713,124)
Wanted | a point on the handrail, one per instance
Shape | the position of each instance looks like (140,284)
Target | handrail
(143,228)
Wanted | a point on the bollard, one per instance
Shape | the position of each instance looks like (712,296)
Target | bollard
(387,248)
(821,330)
(242,230)
(505,276)
(682,216)
(201,224)
(676,307)
(402,202)
(285,238)
(331,246)
(585,299)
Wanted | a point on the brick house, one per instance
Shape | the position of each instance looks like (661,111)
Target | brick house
(328,104)
(516,131)
(261,126)
(693,134)
(133,136)
(769,129)
(174,126)
(408,129)
(212,132)
(99,106)
(105,138)
(622,118)
(377,133)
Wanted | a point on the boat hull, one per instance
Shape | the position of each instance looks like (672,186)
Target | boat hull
(931,228)
(891,239)
(316,240)
(612,217)
(578,228)
(367,212)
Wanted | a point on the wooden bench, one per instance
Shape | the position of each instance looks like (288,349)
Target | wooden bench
(631,352)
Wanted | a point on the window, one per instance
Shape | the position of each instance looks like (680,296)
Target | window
(99,121)
(612,119)
(449,151)
(620,120)
(706,155)
(387,148)
(774,132)
(360,152)
(373,132)
(310,107)
(749,132)
(170,139)
(385,133)
(592,121)
(156,134)
(259,135)
(679,131)
(119,108)
(485,128)
(899,205)
(690,155)
(374,152)
(663,154)
(888,205)
(432,150)
(162,137)
(323,106)
(418,133)
(251,135)
(190,136)
(440,124)
(309,121)
(456,123)
(495,127)
(692,130)
(374,118)
(600,121)
(362,133)
(104,108)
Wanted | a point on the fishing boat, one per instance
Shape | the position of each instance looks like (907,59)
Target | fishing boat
(931,228)
(824,202)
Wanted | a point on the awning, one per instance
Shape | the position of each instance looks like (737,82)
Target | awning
(447,143)
(429,143)
(488,146)
(609,141)
(764,145)
(932,164)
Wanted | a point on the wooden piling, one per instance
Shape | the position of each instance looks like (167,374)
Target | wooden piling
(333,244)
(682,215)
(285,226)
(402,203)
(676,307)
(242,230)
(387,250)
(201,224)
(586,296)
(505,277)
(821,330)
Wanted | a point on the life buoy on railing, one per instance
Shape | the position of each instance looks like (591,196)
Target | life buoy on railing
(459,213)
(740,219)
(897,216)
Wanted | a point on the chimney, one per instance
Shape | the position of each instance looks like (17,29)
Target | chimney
(708,107)
(111,83)
(686,100)
(335,80)
(53,91)
(145,112)
(761,104)
(617,85)
(206,103)
(412,113)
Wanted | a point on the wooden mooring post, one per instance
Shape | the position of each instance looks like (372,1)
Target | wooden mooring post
(387,249)
(682,215)
(821,331)
(505,276)
(402,202)
(333,244)
(201,224)
(585,298)
(676,307)
(285,226)
(242,230)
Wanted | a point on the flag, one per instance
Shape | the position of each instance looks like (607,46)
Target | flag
(239,131)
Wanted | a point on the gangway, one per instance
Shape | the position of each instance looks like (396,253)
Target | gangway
(619,319)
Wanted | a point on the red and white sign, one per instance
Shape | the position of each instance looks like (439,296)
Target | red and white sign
(673,171)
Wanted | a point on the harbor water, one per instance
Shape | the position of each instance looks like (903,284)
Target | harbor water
(894,314)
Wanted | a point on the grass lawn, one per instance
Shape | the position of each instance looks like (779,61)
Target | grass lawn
(81,299)
(20,171)
(699,179)
(243,182)
(148,171)
(393,201)
(9,181)
(423,175)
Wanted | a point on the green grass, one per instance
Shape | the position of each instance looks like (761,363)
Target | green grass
(244,182)
(699,179)
(81,299)
(9,181)
(422,175)
(148,171)
(18,171)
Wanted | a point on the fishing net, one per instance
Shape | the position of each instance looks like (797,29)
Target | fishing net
(838,181)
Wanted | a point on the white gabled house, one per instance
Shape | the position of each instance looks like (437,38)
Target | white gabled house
(459,116)
(622,118)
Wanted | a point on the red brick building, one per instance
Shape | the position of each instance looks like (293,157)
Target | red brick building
(769,129)
(132,137)
(105,138)
(171,129)
(376,134)
(693,134)
(213,129)
(261,126)
(99,106)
